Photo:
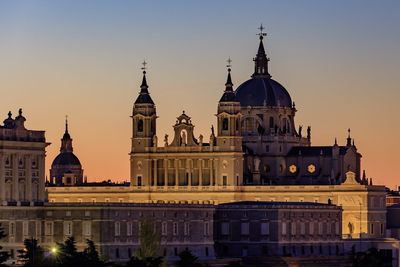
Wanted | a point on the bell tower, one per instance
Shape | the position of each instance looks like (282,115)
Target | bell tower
(229,138)
(228,115)
(143,134)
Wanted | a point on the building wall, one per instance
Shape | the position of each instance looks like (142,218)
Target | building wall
(355,199)
(257,229)
(113,227)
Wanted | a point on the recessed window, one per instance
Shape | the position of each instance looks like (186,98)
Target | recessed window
(140,126)
(225,124)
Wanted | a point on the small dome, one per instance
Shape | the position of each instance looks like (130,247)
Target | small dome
(66,158)
(263,91)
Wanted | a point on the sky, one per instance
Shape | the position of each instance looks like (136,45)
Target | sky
(339,60)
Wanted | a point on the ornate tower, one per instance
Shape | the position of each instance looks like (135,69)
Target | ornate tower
(143,134)
(229,139)
(66,168)
(228,116)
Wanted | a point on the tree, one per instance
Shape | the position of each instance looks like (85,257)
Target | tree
(187,259)
(234,264)
(3,254)
(149,240)
(91,256)
(145,262)
(371,258)
(68,254)
(32,255)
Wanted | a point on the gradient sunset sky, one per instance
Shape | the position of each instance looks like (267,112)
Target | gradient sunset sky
(339,60)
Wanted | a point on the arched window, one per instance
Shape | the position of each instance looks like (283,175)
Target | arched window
(271,122)
(225,124)
(140,126)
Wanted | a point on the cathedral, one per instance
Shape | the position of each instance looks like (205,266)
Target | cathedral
(256,159)
(256,142)
(256,153)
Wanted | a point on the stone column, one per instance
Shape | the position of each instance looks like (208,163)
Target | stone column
(189,172)
(200,172)
(2,181)
(217,177)
(212,182)
(176,172)
(15,178)
(41,166)
(155,178)
(28,178)
(165,172)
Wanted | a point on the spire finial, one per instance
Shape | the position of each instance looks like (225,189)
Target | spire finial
(335,141)
(262,33)
(261,59)
(144,63)
(144,81)
(66,123)
(229,84)
(229,61)
(348,137)
(9,114)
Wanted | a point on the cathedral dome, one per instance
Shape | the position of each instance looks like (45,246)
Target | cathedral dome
(263,91)
(66,158)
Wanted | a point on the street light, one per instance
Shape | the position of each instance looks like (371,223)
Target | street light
(53,250)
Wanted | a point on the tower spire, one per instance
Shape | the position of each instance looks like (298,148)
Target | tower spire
(144,95)
(66,141)
(66,124)
(229,94)
(229,84)
(261,59)
(348,138)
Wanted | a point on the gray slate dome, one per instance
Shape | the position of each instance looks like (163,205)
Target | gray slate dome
(263,91)
(66,158)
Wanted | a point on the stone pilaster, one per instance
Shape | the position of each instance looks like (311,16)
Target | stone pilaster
(200,172)
(41,164)
(15,178)
(176,172)
(28,178)
(2,181)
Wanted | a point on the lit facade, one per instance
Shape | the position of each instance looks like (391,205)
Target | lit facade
(256,153)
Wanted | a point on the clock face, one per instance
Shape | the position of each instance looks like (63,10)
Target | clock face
(293,168)
(311,168)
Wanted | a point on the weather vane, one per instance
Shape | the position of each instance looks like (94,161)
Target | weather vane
(144,65)
(261,28)
(229,63)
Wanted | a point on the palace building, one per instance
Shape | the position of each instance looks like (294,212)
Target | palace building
(256,153)
(256,173)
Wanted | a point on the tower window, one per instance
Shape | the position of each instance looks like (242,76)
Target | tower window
(139,180)
(140,126)
(225,124)
(271,122)
(224,180)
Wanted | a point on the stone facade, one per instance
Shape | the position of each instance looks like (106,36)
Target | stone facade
(113,227)
(257,229)
(22,163)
